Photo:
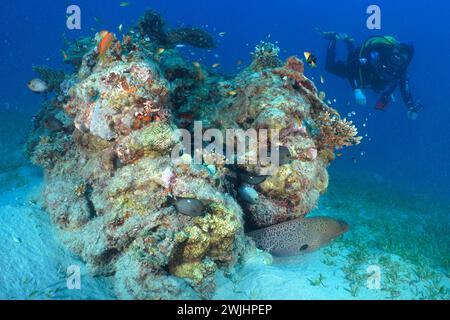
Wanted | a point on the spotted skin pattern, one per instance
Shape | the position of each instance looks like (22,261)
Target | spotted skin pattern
(298,236)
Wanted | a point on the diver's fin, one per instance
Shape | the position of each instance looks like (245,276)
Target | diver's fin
(343,36)
(331,35)
(324,34)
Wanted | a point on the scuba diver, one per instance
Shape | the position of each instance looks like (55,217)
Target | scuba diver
(380,64)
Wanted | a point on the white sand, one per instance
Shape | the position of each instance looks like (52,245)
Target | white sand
(33,263)
(298,278)
(405,242)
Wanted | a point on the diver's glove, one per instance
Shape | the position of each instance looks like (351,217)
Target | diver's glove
(413,110)
(360,97)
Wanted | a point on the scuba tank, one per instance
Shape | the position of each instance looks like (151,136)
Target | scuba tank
(384,69)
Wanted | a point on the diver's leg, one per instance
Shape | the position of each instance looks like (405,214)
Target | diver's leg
(336,67)
(350,42)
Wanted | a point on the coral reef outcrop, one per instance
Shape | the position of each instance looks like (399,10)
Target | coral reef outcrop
(111,187)
(152,25)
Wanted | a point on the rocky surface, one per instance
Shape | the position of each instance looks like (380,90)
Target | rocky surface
(105,143)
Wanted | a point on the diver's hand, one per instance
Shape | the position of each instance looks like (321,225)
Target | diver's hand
(412,114)
(413,110)
(360,97)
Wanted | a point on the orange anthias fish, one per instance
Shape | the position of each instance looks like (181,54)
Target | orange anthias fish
(64,54)
(103,33)
(105,43)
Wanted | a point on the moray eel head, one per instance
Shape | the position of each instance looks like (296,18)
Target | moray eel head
(328,229)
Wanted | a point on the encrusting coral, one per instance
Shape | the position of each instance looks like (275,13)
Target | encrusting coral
(265,56)
(282,98)
(152,25)
(105,143)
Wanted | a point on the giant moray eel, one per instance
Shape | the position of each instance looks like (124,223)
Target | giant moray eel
(298,236)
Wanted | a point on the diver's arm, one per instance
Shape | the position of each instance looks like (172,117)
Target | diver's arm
(354,83)
(355,72)
(413,107)
(359,95)
(406,92)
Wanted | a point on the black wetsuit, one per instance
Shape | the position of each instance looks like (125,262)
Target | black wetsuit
(362,70)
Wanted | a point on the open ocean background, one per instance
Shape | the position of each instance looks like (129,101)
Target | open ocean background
(399,176)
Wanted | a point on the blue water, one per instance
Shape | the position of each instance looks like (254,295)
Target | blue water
(413,156)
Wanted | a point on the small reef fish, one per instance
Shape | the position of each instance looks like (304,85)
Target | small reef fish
(17,240)
(248,194)
(216,65)
(53,125)
(105,43)
(38,86)
(160,51)
(322,95)
(124,4)
(120,28)
(103,33)
(222,34)
(232,92)
(311,60)
(322,80)
(284,155)
(298,236)
(64,54)
(251,179)
(189,206)
(198,68)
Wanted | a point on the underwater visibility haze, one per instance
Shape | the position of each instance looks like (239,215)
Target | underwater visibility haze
(122,174)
